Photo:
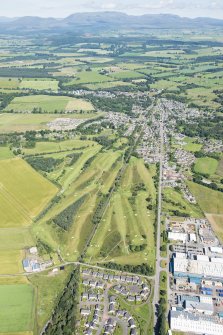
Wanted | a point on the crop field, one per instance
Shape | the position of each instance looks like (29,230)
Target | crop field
(17,308)
(23,193)
(48,104)
(127,221)
(11,261)
(206,165)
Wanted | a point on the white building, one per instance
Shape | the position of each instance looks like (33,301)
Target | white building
(203,268)
(195,323)
(177,236)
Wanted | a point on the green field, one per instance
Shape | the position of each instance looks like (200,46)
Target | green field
(206,165)
(16,308)
(47,147)
(174,201)
(209,200)
(5,153)
(48,104)
(49,287)
(39,84)
(23,193)
(11,261)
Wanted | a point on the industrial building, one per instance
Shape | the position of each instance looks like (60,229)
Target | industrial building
(203,266)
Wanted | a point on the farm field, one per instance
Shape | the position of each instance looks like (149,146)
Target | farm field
(5,153)
(48,104)
(209,200)
(206,165)
(39,84)
(11,261)
(17,308)
(23,193)
(15,238)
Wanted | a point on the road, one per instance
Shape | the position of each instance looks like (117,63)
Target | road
(158,241)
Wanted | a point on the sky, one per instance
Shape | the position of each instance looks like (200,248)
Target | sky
(63,8)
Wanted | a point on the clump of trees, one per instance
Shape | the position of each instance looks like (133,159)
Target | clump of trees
(46,164)
(65,218)
(143,268)
(73,158)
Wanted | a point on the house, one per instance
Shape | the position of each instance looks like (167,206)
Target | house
(33,250)
(92,283)
(131,298)
(84,296)
(85,312)
(132,323)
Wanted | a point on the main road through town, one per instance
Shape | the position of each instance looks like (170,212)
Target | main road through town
(159,208)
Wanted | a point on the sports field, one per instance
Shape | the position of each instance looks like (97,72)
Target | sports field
(16,308)
(127,221)
(23,193)
(48,104)
(206,165)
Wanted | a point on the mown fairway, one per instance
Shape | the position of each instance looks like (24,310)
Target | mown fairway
(23,193)
(48,104)
(16,308)
(125,234)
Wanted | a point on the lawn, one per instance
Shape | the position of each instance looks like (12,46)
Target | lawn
(23,193)
(88,77)
(16,308)
(48,104)
(206,165)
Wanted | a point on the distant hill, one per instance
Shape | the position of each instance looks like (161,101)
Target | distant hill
(104,20)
